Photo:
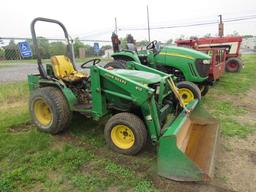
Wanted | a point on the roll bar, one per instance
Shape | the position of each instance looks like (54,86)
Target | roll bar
(70,52)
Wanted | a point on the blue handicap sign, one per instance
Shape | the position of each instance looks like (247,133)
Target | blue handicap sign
(25,49)
(96,47)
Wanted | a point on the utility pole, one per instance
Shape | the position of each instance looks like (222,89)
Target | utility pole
(148,24)
(115,26)
(221,27)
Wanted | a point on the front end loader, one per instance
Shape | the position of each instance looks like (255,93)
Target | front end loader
(142,104)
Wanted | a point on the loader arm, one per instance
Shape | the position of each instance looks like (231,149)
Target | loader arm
(109,83)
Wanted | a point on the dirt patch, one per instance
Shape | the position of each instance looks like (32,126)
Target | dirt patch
(113,189)
(236,157)
(21,128)
(253,157)
(235,166)
(165,185)
(15,104)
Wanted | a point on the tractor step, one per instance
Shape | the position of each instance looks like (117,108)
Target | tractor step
(82,107)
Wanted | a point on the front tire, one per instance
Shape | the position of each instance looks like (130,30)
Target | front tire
(188,91)
(49,110)
(234,65)
(125,133)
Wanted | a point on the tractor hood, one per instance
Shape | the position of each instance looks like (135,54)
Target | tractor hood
(139,76)
(186,53)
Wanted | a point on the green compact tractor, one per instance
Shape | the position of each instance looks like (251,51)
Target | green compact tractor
(186,64)
(142,104)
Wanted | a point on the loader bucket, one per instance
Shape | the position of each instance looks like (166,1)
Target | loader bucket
(187,147)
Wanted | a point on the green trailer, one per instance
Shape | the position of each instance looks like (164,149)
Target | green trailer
(142,104)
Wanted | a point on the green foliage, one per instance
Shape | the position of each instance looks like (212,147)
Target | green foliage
(57,48)
(104,48)
(231,128)
(247,36)
(2,53)
(10,92)
(77,45)
(118,170)
(207,35)
(169,42)
(11,51)
(142,43)
(88,183)
(123,44)
(145,186)
(44,47)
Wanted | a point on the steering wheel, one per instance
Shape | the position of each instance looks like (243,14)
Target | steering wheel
(94,62)
(151,45)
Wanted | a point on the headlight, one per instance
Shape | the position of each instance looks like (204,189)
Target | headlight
(206,61)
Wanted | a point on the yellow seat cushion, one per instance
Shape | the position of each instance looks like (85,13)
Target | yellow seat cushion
(63,69)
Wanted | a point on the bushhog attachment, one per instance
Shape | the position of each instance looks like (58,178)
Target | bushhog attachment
(187,148)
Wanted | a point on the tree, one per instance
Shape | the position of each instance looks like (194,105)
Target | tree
(235,33)
(77,45)
(89,51)
(123,44)
(181,37)
(11,51)
(207,35)
(104,48)
(2,54)
(247,36)
(193,37)
(43,46)
(142,43)
(169,42)
(57,48)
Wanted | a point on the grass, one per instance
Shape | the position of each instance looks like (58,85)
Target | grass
(79,160)
(224,100)
(32,160)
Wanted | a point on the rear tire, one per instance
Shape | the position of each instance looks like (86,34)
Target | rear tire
(116,64)
(49,110)
(125,133)
(234,65)
(188,91)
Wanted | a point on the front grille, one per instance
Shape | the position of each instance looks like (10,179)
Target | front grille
(202,69)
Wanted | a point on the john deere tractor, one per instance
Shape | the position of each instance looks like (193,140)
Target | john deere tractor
(142,104)
(184,63)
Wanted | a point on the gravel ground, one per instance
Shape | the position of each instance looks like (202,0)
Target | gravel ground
(19,72)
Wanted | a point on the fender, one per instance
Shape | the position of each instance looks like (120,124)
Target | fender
(126,55)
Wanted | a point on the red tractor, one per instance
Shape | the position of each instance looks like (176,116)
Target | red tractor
(233,63)
(217,67)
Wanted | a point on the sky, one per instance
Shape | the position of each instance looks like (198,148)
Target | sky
(94,19)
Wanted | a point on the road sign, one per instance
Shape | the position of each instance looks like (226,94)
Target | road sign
(25,49)
(96,47)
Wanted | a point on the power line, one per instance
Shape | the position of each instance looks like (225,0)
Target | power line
(192,25)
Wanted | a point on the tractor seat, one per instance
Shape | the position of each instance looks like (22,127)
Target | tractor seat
(63,69)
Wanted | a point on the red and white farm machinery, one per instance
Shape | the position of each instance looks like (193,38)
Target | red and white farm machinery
(233,63)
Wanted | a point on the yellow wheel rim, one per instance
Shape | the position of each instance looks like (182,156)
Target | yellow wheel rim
(43,112)
(122,136)
(186,95)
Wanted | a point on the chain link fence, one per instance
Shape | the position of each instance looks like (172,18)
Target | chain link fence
(10,53)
